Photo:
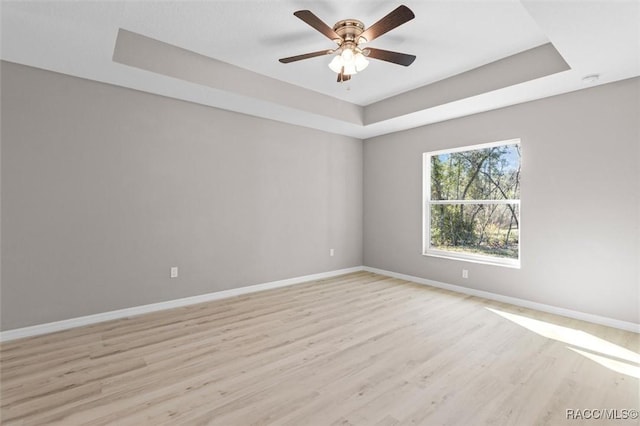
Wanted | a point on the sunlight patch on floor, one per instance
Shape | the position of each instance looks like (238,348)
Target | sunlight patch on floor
(611,364)
(603,352)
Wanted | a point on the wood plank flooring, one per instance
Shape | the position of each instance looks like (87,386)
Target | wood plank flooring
(359,349)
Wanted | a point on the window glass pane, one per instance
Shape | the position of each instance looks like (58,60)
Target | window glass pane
(480,174)
(484,229)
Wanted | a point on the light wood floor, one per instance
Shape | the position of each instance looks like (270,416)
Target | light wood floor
(360,349)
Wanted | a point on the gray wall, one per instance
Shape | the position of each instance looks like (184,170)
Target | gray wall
(580,200)
(105,188)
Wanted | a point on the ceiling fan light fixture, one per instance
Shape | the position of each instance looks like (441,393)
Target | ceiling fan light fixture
(350,68)
(347,55)
(349,61)
(336,64)
(360,62)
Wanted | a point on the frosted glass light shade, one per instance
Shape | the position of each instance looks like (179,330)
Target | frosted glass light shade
(349,62)
(350,68)
(336,64)
(347,55)
(360,62)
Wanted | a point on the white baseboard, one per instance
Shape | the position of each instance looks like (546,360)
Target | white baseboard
(597,319)
(51,327)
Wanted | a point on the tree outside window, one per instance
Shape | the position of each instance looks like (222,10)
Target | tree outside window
(472,203)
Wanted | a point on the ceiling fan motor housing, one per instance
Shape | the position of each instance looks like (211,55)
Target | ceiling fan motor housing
(349,30)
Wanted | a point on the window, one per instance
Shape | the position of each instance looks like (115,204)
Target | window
(472,203)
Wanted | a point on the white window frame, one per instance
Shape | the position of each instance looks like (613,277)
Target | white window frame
(427,202)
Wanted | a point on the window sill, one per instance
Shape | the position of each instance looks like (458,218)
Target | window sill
(483,260)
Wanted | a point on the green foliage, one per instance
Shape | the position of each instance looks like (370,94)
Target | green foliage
(478,175)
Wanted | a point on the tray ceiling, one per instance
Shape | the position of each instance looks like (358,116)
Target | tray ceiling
(461,47)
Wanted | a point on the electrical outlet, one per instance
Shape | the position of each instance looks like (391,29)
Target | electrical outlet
(174,272)
(331,252)
(465,273)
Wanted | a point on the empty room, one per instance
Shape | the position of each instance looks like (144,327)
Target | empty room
(320,213)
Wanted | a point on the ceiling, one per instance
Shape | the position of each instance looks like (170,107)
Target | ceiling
(225,54)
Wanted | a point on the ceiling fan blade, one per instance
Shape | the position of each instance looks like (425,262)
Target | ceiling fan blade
(306,56)
(317,23)
(389,56)
(342,77)
(394,19)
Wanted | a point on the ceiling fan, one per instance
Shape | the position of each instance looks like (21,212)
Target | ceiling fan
(350,34)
